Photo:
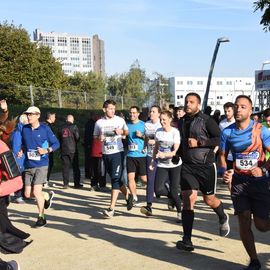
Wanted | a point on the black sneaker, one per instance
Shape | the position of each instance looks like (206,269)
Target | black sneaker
(78,186)
(254,265)
(48,203)
(185,244)
(130,201)
(41,222)
(146,210)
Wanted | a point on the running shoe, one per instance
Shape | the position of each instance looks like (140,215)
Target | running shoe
(48,203)
(224,228)
(13,265)
(254,265)
(179,217)
(146,210)
(171,204)
(130,201)
(108,213)
(185,244)
(41,222)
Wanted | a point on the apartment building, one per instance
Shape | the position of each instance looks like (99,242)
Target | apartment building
(75,53)
(222,89)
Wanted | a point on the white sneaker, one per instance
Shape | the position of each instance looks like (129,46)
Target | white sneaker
(13,265)
(179,217)
(108,213)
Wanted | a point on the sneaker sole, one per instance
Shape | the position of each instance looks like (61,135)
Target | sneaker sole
(107,215)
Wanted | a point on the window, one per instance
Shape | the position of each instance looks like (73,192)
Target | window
(189,82)
(179,82)
(199,82)
(219,82)
(229,82)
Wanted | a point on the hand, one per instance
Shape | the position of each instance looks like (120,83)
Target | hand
(192,142)
(118,131)
(20,154)
(139,134)
(102,138)
(227,176)
(152,166)
(161,155)
(3,105)
(256,172)
(42,151)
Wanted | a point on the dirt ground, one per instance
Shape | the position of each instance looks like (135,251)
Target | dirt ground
(78,237)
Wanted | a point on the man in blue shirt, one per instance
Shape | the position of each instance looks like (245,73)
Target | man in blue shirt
(249,178)
(38,141)
(136,158)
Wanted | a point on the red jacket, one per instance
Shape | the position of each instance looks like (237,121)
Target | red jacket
(9,186)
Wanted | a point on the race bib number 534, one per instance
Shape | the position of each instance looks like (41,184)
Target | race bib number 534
(246,161)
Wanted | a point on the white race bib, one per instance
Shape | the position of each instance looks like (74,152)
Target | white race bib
(133,147)
(110,147)
(33,155)
(246,161)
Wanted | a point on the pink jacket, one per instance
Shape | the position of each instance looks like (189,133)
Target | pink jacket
(9,186)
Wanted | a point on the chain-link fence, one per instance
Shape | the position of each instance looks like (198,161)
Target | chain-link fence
(57,98)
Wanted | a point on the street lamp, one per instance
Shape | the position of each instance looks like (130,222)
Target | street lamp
(265,63)
(205,99)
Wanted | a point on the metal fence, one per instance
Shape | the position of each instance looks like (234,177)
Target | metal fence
(57,98)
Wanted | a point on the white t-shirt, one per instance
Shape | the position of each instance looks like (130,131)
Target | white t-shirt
(166,141)
(106,127)
(224,123)
(150,131)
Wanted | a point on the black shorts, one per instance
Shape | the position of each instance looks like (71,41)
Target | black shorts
(201,177)
(251,194)
(136,165)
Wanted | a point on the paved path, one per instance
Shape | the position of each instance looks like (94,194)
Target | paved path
(78,237)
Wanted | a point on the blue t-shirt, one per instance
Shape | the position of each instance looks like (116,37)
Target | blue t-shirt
(42,137)
(238,140)
(135,144)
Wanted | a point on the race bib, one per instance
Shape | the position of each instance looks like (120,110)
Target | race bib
(110,147)
(164,160)
(246,161)
(133,147)
(33,155)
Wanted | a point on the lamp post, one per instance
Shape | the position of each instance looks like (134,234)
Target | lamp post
(205,99)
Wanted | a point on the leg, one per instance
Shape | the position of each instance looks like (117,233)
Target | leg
(161,177)
(246,234)
(66,164)
(37,192)
(132,183)
(175,186)
(76,169)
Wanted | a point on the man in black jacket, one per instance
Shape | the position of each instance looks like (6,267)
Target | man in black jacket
(200,136)
(69,137)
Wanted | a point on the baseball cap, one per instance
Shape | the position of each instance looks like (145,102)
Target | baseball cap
(32,109)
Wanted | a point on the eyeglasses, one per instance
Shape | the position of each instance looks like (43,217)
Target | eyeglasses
(30,114)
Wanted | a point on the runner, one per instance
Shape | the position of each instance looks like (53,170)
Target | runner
(168,167)
(110,130)
(150,129)
(250,177)
(38,141)
(200,135)
(136,158)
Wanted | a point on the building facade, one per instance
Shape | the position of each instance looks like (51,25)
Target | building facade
(222,89)
(75,53)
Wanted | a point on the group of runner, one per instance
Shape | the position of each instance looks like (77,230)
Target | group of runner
(179,161)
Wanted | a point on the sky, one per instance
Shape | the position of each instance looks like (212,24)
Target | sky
(171,37)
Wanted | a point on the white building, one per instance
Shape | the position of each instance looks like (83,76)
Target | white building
(75,53)
(222,89)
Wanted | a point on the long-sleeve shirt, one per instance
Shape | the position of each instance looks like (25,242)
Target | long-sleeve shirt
(32,139)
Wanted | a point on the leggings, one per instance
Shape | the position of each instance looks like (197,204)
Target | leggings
(173,175)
